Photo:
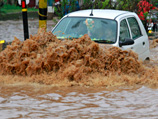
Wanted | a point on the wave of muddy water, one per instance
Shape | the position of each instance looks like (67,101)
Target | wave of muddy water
(115,94)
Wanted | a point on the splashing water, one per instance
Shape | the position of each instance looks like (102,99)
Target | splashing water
(44,59)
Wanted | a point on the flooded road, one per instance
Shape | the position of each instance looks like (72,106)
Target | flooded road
(10,29)
(77,102)
(48,102)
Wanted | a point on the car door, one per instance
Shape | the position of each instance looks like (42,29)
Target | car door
(129,28)
(124,34)
(140,41)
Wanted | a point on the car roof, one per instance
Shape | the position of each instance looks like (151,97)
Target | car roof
(101,13)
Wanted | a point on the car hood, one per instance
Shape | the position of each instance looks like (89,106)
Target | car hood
(105,46)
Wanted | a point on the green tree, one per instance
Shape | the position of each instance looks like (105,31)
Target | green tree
(66,6)
(110,4)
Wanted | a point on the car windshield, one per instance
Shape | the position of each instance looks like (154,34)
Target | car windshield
(99,30)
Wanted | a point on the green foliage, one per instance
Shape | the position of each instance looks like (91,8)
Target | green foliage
(154,2)
(128,5)
(87,4)
(65,7)
(105,4)
(145,14)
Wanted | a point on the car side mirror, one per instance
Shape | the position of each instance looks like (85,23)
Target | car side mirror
(127,41)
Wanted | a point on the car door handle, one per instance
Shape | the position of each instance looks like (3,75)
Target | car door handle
(143,43)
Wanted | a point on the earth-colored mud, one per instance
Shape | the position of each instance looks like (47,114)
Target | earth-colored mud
(45,59)
(153,43)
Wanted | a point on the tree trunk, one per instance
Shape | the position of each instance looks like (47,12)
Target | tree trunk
(12,2)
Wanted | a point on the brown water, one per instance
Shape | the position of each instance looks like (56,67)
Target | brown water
(118,94)
(44,102)
(23,100)
(14,28)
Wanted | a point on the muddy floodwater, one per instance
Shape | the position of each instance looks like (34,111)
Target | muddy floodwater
(75,102)
(10,29)
(38,101)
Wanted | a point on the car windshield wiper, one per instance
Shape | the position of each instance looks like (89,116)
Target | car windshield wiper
(103,41)
(69,38)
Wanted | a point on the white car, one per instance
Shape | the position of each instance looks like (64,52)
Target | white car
(118,28)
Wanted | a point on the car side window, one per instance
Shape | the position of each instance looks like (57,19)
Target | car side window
(124,31)
(134,26)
